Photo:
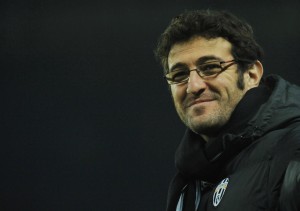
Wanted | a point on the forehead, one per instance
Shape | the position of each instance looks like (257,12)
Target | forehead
(190,51)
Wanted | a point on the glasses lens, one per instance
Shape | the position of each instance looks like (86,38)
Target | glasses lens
(209,69)
(177,76)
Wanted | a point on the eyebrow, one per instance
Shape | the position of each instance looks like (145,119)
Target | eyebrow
(205,59)
(199,61)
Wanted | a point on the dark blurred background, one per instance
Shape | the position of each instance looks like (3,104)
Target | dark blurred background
(87,122)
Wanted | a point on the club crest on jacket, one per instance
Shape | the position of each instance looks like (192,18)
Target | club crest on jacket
(219,192)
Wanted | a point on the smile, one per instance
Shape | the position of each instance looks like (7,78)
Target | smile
(199,101)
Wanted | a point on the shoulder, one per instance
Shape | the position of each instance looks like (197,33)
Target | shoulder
(287,143)
(284,173)
(290,190)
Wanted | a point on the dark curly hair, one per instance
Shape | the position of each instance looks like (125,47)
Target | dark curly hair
(211,24)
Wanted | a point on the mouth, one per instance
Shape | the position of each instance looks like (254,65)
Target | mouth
(198,101)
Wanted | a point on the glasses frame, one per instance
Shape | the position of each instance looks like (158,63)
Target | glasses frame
(200,73)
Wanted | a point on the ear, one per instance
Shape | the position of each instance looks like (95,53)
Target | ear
(253,76)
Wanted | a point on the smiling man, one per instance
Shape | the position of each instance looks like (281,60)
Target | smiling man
(241,149)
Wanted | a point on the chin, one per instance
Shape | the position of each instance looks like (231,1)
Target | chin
(201,125)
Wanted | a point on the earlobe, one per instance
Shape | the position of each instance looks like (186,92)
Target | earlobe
(255,74)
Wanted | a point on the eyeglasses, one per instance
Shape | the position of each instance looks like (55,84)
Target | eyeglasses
(206,71)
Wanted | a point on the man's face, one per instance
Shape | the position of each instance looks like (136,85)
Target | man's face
(205,105)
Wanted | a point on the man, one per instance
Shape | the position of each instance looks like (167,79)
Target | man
(241,150)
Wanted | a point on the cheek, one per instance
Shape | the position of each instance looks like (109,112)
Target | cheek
(227,87)
(178,94)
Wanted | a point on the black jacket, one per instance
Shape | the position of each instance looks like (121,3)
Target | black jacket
(255,162)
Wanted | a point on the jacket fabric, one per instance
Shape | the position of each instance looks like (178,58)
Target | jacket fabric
(254,164)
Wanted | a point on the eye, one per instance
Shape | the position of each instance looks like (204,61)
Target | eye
(210,68)
(179,75)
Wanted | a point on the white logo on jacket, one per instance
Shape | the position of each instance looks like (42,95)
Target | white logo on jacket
(219,192)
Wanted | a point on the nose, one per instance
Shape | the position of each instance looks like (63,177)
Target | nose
(195,84)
